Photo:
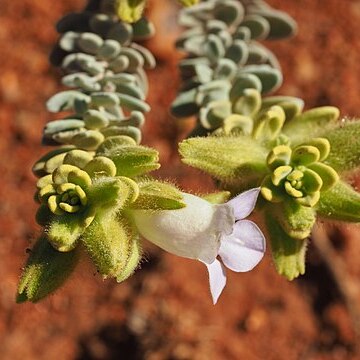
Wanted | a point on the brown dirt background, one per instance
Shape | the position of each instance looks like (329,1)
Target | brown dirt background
(164,311)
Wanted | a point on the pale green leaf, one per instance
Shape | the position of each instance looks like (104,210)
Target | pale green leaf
(341,202)
(107,240)
(46,270)
(288,253)
(234,160)
(345,146)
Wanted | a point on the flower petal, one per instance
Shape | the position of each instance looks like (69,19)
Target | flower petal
(217,279)
(244,203)
(193,231)
(244,248)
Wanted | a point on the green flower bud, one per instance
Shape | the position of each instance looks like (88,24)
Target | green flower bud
(298,174)
(130,10)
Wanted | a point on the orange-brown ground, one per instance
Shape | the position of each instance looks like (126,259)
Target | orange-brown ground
(164,311)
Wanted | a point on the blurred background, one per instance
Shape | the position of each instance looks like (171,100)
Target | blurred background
(164,311)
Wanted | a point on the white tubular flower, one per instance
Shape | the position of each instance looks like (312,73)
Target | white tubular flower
(216,235)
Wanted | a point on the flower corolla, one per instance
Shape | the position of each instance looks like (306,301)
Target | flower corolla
(217,235)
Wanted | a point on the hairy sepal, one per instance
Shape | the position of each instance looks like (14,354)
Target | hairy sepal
(135,253)
(64,231)
(219,197)
(113,193)
(157,195)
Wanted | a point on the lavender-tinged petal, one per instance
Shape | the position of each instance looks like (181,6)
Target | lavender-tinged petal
(244,248)
(217,279)
(244,203)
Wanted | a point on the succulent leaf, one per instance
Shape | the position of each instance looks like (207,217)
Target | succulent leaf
(328,175)
(248,104)
(292,106)
(100,166)
(78,158)
(45,165)
(311,123)
(65,100)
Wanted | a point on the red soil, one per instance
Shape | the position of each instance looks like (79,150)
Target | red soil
(164,311)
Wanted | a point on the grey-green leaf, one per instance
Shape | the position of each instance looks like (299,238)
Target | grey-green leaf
(65,100)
